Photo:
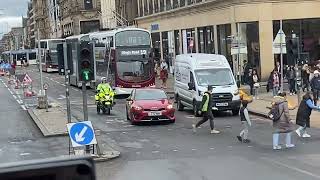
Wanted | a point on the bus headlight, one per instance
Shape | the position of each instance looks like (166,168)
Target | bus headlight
(236,92)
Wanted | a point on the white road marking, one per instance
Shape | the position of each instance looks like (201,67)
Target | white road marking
(193,149)
(5,85)
(63,85)
(75,89)
(25,154)
(124,132)
(292,168)
(155,152)
(175,150)
(212,148)
(18,96)
(14,96)
(23,107)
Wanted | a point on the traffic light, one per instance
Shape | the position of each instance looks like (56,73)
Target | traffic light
(86,62)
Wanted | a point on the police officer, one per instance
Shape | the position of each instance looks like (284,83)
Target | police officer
(206,108)
(104,88)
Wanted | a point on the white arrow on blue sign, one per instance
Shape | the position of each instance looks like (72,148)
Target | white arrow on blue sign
(81,133)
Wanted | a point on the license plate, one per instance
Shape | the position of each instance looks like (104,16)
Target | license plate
(222,104)
(156,113)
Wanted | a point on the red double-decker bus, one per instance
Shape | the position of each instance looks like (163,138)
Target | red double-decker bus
(128,58)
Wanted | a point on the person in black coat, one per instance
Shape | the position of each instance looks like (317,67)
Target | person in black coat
(315,86)
(303,114)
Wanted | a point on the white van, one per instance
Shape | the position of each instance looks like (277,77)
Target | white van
(193,74)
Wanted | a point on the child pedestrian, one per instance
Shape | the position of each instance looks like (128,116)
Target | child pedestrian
(246,123)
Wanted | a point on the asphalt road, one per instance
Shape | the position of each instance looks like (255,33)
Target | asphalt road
(20,138)
(171,151)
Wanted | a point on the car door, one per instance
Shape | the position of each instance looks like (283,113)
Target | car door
(190,93)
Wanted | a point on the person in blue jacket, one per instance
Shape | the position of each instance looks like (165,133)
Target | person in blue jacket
(303,114)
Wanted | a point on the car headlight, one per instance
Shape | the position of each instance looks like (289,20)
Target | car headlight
(169,106)
(137,108)
(236,92)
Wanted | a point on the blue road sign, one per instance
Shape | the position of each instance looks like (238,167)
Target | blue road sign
(81,133)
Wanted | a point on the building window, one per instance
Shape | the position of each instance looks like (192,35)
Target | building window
(156,45)
(151,6)
(177,41)
(156,6)
(307,32)
(165,45)
(168,5)
(190,2)
(88,4)
(140,8)
(249,36)
(175,4)
(146,7)
(205,40)
(182,3)
(161,5)
(224,44)
(191,46)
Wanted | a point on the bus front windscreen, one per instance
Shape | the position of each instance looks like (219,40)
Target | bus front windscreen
(132,38)
(134,71)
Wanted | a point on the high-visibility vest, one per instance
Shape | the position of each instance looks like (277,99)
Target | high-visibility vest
(206,103)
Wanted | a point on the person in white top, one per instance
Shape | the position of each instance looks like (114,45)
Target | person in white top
(164,73)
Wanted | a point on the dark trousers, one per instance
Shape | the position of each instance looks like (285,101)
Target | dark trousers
(251,89)
(292,85)
(316,96)
(306,85)
(207,116)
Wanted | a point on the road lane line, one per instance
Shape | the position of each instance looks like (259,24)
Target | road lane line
(23,107)
(5,85)
(14,96)
(292,168)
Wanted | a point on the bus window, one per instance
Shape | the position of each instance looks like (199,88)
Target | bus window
(43,45)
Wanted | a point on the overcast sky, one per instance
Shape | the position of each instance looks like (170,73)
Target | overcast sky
(11,12)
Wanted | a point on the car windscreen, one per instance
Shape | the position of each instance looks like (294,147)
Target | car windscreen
(150,95)
(214,77)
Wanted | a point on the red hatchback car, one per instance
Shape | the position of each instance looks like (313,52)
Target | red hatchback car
(149,105)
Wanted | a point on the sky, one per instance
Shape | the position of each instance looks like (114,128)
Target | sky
(11,12)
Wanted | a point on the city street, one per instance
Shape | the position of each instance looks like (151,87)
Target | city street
(161,150)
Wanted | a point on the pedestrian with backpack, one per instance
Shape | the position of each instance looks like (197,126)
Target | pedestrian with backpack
(303,114)
(245,121)
(281,121)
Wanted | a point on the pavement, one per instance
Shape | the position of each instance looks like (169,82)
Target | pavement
(170,84)
(158,150)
